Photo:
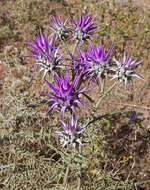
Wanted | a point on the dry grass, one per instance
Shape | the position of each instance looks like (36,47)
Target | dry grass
(117,152)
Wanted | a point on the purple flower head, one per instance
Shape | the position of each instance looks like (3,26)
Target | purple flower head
(71,134)
(125,69)
(94,63)
(46,55)
(133,117)
(7,15)
(99,64)
(83,28)
(59,27)
(65,94)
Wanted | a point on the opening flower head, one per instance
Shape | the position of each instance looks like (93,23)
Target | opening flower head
(59,27)
(94,62)
(71,134)
(65,94)
(125,69)
(83,28)
(99,64)
(46,54)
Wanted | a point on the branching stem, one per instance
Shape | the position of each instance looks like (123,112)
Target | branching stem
(103,96)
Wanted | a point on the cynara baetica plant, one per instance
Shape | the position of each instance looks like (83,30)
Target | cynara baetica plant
(88,64)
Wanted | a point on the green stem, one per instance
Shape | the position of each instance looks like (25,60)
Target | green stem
(79,183)
(75,47)
(73,52)
(79,176)
(89,98)
(66,175)
(103,116)
(102,85)
(103,95)
(78,86)
(80,82)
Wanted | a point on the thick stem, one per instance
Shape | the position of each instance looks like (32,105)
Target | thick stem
(103,95)
(79,176)
(102,85)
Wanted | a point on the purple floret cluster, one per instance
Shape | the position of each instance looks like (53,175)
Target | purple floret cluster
(67,75)
(64,94)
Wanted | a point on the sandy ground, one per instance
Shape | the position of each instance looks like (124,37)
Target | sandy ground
(142,3)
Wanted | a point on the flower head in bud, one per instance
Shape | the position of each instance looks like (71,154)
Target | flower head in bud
(59,27)
(83,28)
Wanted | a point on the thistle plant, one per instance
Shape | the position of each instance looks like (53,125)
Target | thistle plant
(45,53)
(91,63)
